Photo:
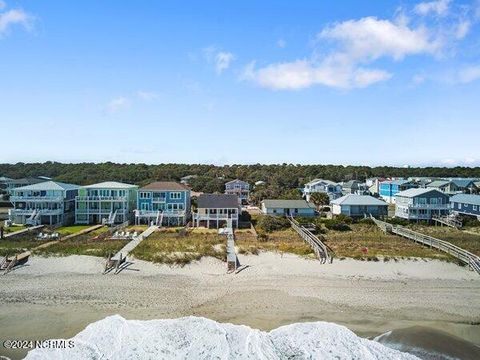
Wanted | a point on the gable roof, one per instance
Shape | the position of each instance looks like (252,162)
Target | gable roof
(48,185)
(288,204)
(396,182)
(166,186)
(110,185)
(466,199)
(438,183)
(218,201)
(236,181)
(316,181)
(417,191)
(353,199)
(463,183)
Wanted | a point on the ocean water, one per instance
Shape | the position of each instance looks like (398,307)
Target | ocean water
(429,344)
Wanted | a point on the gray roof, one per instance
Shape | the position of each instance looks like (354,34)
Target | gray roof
(217,201)
(466,199)
(315,181)
(288,204)
(410,193)
(110,185)
(396,182)
(438,183)
(353,199)
(48,185)
(236,181)
(463,183)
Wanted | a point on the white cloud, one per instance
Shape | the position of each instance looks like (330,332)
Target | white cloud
(281,43)
(301,74)
(14,17)
(116,105)
(418,79)
(356,43)
(439,7)
(147,95)
(469,74)
(3,4)
(220,59)
(371,38)
(463,27)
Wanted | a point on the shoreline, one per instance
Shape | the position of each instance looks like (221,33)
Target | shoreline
(56,297)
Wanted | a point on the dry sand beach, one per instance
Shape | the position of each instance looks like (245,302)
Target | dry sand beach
(57,297)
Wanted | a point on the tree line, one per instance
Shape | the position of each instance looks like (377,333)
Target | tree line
(281,179)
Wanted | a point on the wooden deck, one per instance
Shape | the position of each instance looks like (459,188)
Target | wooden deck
(323,253)
(468,258)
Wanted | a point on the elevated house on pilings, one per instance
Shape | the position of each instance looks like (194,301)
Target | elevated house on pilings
(44,203)
(215,210)
(108,203)
(163,203)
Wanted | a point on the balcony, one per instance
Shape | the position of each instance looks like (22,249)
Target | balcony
(425,206)
(215,216)
(28,212)
(36,198)
(101,198)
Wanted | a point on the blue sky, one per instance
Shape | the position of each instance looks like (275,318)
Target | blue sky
(310,82)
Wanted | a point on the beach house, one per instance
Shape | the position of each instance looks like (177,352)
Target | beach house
(389,189)
(454,186)
(421,204)
(288,207)
(163,203)
(216,209)
(466,204)
(47,203)
(10,184)
(355,205)
(332,189)
(239,188)
(108,202)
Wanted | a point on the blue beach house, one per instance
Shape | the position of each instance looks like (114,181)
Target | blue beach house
(466,204)
(388,189)
(163,203)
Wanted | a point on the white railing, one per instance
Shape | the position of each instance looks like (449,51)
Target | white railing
(463,255)
(36,198)
(101,198)
(424,206)
(323,253)
(215,216)
(17,212)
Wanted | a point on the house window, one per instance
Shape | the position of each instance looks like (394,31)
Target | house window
(144,195)
(474,207)
(175,195)
(459,205)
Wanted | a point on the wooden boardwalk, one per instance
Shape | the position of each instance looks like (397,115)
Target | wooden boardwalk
(468,258)
(323,253)
(26,230)
(134,242)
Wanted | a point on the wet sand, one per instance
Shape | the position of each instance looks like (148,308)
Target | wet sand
(58,297)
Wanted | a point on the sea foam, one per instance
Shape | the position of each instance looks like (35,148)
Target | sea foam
(201,338)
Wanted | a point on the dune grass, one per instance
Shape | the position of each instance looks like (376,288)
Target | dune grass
(283,241)
(12,228)
(367,242)
(465,240)
(175,247)
(93,243)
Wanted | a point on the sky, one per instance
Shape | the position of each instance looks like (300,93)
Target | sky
(373,83)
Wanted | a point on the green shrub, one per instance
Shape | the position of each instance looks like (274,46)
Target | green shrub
(269,223)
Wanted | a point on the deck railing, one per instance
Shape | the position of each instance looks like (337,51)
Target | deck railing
(323,253)
(463,255)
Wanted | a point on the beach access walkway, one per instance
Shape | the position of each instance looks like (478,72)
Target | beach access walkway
(322,251)
(466,257)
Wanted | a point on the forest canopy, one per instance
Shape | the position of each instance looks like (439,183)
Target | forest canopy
(211,178)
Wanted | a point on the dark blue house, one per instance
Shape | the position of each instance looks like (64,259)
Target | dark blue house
(466,204)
